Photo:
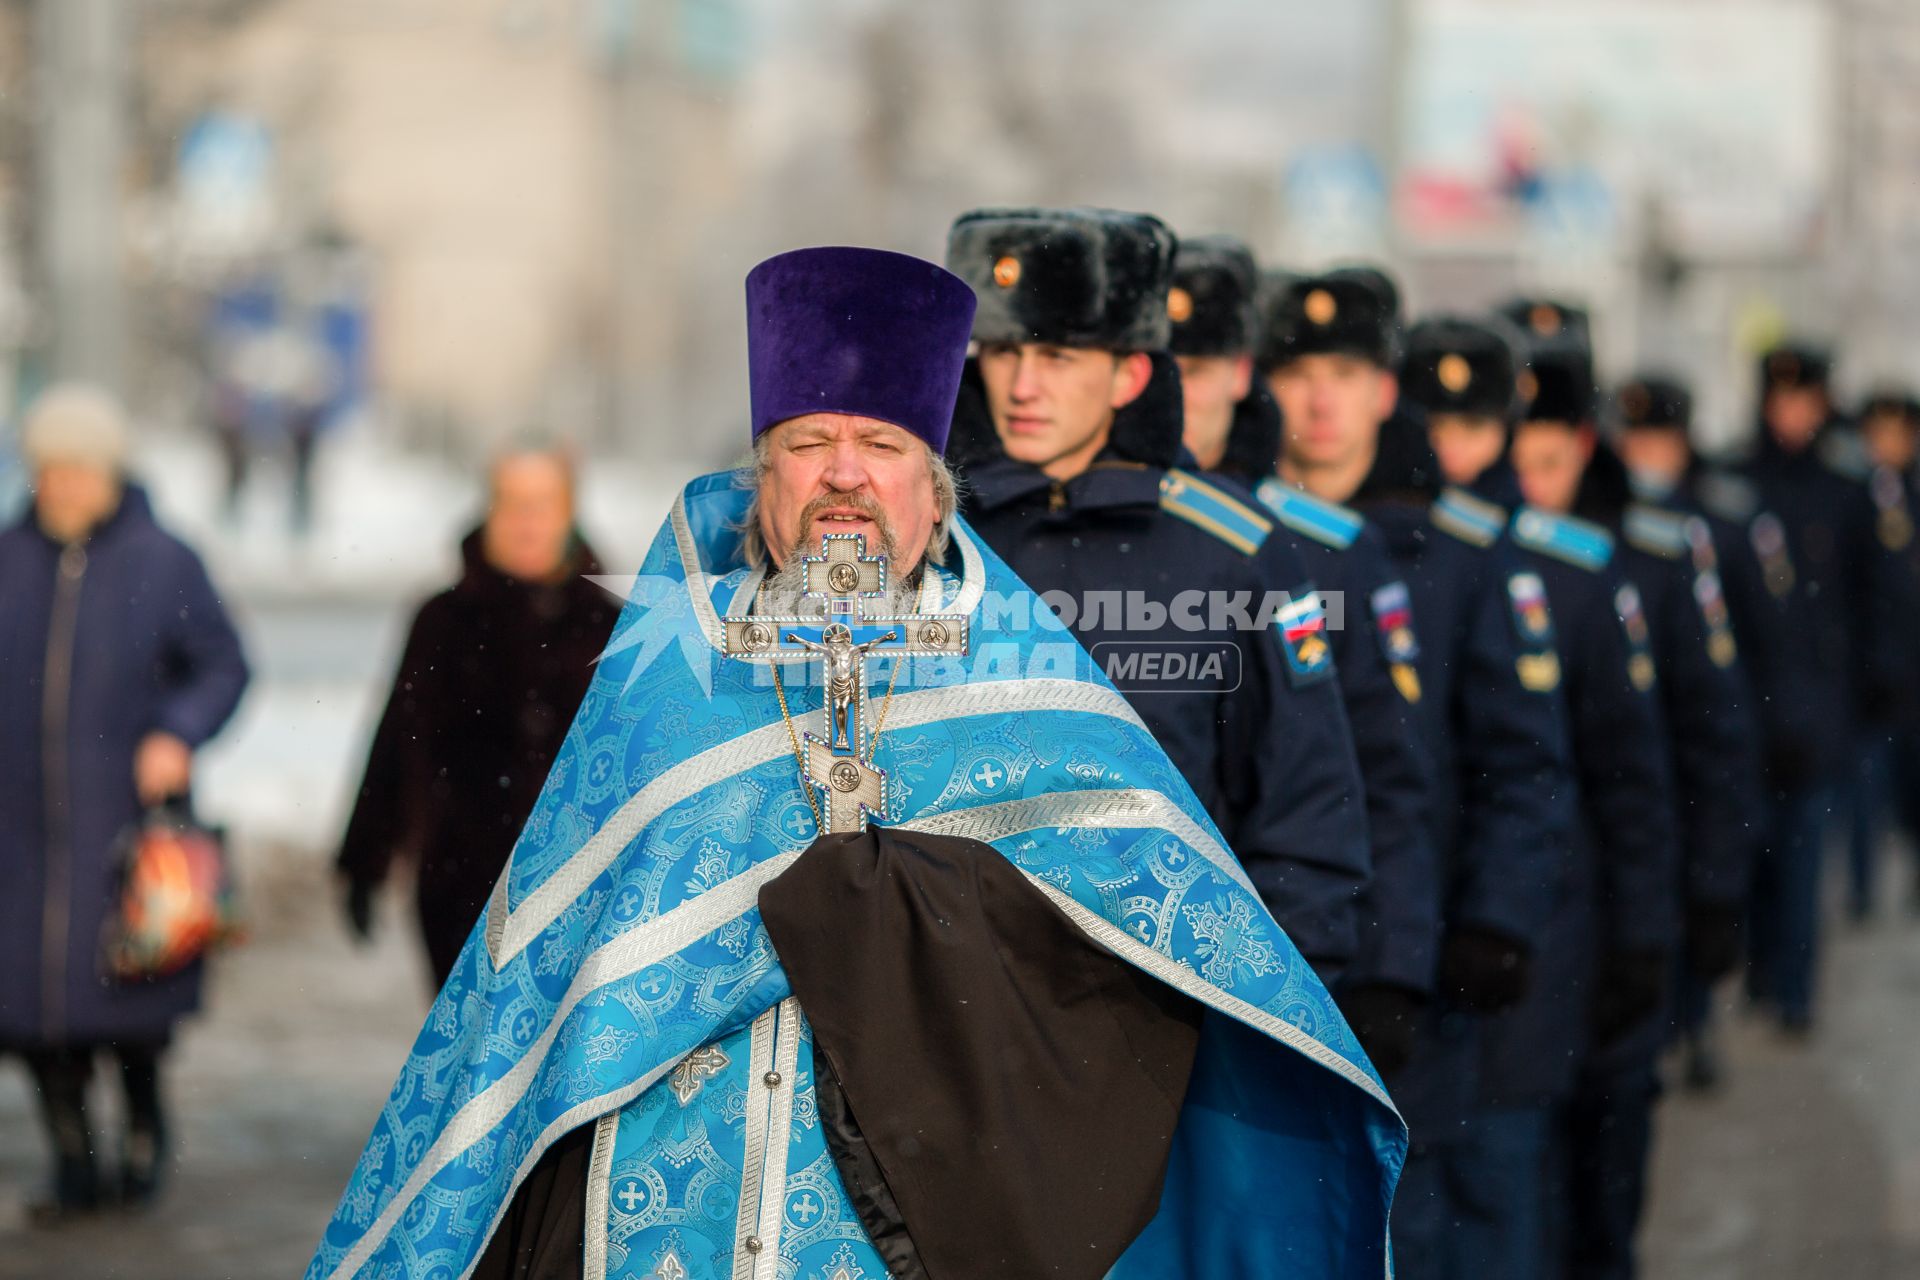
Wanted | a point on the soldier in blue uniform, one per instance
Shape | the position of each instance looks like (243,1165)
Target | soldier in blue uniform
(1233,434)
(1068,432)
(1889,431)
(1605,968)
(1750,621)
(1488,713)
(1563,466)
(1812,529)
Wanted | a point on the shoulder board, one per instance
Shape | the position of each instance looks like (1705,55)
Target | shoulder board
(1843,453)
(1731,497)
(1578,542)
(1656,532)
(1207,507)
(1316,518)
(1468,518)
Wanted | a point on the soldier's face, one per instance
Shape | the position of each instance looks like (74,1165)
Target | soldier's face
(1053,407)
(1550,458)
(1211,387)
(1466,444)
(1889,438)
(1656,456)
(836,473)
(1334,405)
(1794,415)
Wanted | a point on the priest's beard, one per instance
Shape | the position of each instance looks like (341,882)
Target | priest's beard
(782,593)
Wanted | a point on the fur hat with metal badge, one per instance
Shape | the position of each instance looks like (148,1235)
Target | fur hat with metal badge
(1351,311)
(1211,303)
(1462,365)
(1078,277)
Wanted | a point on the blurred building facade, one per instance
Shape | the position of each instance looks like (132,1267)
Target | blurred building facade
(544,207)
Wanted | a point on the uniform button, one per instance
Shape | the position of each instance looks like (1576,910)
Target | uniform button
(753,1244)
(772,1079)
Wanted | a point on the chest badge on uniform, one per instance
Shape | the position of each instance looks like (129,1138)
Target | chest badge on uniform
(1538,665)
(1890,499)
(1529,597)
(1626,603)
(1769,539)
(1303,634)
(1393,620)
(1721,648)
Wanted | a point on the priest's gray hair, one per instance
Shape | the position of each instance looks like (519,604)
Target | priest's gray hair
(753,546)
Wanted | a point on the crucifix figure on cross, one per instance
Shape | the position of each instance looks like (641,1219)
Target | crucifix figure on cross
(841,577)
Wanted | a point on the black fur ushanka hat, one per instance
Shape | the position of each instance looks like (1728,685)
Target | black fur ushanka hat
(1079,277)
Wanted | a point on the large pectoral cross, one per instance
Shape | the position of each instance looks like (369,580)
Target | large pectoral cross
(842,576)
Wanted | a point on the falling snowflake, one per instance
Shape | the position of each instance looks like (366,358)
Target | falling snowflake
(1230,940)
(666,617)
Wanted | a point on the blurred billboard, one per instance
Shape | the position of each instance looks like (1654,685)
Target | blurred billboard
(1706,127)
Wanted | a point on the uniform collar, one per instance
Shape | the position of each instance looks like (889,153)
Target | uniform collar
(1111,481)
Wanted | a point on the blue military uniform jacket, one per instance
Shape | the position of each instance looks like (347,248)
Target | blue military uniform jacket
(1896,515)
(1618,894)
(1812,531)
(1704,698)
(1492,721)
(1267,749)
(1376,651)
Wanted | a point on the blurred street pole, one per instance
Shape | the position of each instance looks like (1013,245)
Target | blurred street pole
(80,66)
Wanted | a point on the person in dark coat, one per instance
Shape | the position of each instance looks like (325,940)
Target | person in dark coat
(1890,440)
(1233,434)
(1713,752)
(1813,529)
(1489,714)
(493,670)
(118,663)
(1068,432)
(1602,971)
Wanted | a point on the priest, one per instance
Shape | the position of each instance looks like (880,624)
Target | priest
(861,929)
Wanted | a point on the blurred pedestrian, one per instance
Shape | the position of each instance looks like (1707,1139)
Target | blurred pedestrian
(1889,434)
(117,662)
(493,671)
(1813,531)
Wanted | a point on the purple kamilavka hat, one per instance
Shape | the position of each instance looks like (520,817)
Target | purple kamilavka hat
(857,331)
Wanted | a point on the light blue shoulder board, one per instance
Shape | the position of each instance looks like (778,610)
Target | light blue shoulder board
(1470,519)
(1218,512)
(1578,542)
(1656,532)
(1312,517)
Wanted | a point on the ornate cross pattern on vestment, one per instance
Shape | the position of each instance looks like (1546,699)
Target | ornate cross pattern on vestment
(841,577)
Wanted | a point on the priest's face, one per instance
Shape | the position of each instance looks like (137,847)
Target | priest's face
(1053,407)
(836,473)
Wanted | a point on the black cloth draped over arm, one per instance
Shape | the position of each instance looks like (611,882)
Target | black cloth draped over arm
(1008,1088)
